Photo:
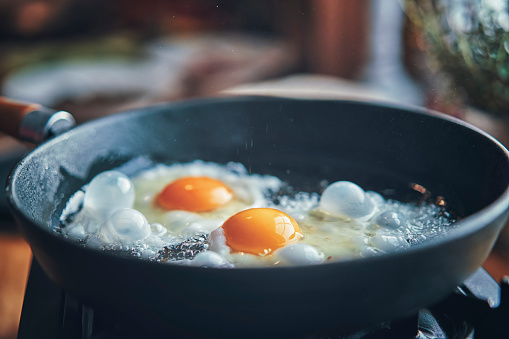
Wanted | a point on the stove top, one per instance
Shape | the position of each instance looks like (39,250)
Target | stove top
(479,309)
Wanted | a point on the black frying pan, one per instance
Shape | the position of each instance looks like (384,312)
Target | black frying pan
(380,147)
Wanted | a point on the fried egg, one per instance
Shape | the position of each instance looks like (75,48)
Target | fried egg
(210,215)
(199,196)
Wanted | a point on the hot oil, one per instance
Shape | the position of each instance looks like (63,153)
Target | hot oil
(342,238)
(426,215)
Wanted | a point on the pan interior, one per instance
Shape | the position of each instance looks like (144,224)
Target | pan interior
(381,148)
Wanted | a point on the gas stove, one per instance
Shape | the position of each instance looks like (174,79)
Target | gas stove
(479,308)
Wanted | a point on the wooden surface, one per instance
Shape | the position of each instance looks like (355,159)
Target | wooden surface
(15,258)
(497,264)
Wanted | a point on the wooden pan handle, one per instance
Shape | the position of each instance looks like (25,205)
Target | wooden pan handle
(32,122)
(12,114)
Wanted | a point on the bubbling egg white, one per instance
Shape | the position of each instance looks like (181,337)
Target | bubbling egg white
(115,212)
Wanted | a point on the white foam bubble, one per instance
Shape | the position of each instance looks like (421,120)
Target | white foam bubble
(299,254)
(346,199)
(391,219)
(108,192)
(217,242)
(389,242)
(125,225)
(209,259)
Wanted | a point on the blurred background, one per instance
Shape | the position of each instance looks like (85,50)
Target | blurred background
(98,57)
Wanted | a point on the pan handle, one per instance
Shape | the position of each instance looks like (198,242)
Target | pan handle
(32,122)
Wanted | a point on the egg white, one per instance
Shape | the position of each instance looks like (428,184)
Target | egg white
(368,225)
(249,192)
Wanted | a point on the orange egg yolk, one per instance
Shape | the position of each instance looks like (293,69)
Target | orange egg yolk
(260,231)
(194,194)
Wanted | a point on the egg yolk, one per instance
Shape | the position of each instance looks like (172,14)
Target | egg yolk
(194,194)
(260,231)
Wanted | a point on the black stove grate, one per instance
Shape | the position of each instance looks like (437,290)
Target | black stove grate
(477,309)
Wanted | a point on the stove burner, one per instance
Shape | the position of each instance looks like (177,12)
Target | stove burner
(477,309)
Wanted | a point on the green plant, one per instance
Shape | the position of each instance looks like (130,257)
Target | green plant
(469,40)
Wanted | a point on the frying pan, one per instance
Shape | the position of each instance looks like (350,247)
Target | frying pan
(381,147)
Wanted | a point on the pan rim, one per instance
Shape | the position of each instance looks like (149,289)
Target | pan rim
(468,225)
